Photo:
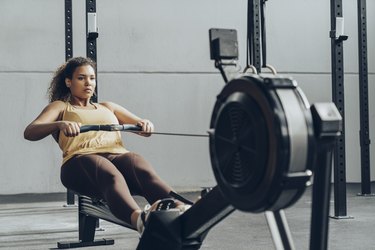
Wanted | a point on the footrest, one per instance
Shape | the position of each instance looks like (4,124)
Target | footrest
(100,242)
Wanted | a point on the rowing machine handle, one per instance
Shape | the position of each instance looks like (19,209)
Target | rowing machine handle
(86,128)
(110,127)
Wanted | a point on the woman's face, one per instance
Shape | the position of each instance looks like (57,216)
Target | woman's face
(82,85)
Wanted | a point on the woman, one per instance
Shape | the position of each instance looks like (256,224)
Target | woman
(96,163)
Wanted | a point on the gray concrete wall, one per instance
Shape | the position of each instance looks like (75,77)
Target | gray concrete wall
(153,58)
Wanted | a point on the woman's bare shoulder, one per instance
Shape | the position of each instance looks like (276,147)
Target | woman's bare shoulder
(109,105)
(57,105)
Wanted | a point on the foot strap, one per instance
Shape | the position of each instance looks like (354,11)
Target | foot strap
(180,198)
(164,204)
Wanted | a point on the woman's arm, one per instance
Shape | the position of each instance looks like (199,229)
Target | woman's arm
(48,122)
(124,116)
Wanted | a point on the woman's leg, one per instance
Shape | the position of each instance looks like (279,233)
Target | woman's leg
(141,177)
(95,175)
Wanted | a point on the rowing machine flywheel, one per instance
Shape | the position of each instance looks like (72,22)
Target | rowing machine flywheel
(261,142)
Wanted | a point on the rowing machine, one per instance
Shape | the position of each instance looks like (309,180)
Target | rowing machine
(265,143)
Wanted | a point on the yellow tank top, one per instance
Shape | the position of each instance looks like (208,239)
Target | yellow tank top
(92,141)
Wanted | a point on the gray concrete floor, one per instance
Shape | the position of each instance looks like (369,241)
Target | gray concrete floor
(39,221)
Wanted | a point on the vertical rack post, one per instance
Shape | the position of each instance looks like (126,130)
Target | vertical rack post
(263,33)
(68,30)
(68,55)
(337,58)
(92,35)
(254,34)
(363,99)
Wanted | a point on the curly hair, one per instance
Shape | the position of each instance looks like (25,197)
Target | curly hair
(58,89)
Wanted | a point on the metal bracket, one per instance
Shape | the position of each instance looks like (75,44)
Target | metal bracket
(338,33)
(92,28)
(222,67)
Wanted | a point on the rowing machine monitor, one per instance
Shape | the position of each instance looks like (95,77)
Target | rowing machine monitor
(224,50)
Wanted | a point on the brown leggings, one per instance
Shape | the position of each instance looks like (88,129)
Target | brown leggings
(114,178)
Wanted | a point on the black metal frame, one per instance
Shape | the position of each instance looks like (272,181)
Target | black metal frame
(91,45)
(69,54)
(337,57)
(364,134)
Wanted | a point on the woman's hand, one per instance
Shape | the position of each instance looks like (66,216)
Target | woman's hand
(70,129)
(147,127)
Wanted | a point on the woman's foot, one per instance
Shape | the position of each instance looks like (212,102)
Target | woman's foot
(134,217)
(139,217)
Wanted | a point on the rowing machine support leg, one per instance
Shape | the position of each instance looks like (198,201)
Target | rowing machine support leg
(321,197)
(279,228)
(86,227)
(328,126)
